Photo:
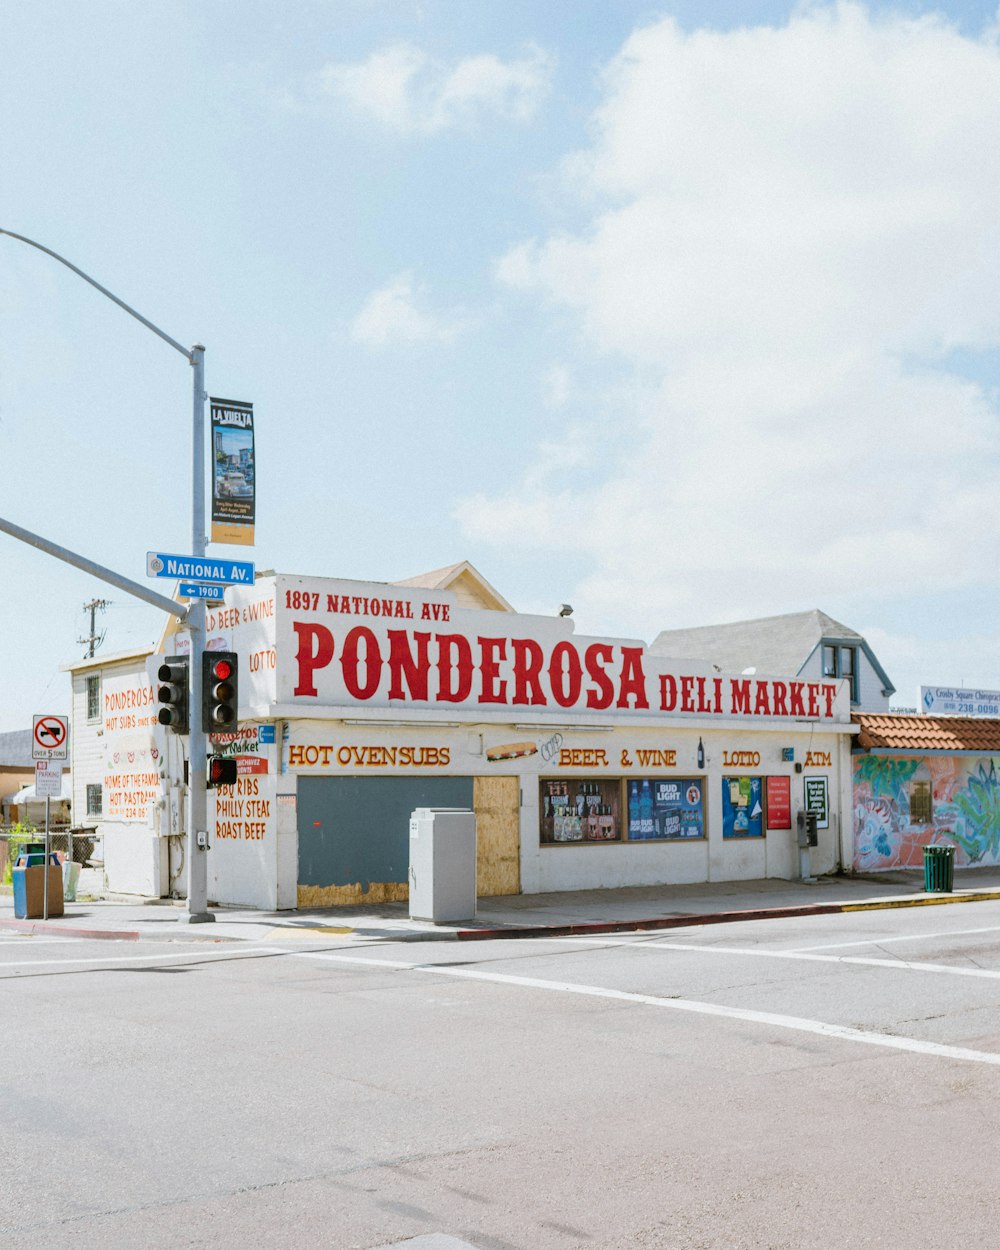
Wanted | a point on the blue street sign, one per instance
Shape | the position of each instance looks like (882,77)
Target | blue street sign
(202,590)
(200,568)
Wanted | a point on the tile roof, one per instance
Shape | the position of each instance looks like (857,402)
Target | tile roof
(927,733)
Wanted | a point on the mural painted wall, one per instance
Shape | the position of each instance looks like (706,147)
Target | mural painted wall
(964,809)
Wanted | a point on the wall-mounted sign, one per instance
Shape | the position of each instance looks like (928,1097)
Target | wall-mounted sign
(742,810)
(818,800)
(660,809)
(363,644)
(779,802)
(956,701)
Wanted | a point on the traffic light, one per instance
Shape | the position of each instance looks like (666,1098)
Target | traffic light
(219,693)
(172,693)
(221,771)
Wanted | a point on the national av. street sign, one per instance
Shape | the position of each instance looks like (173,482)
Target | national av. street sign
(199,568)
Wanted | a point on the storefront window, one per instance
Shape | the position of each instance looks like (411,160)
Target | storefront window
(574,810)
(660,809)
(742,809)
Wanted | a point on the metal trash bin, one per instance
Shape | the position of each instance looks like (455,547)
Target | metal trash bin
(28,877)
(939,869)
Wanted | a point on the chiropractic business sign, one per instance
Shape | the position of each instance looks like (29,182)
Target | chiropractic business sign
(958,701)
(355,644)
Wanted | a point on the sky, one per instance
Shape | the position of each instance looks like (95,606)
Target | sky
(681,313)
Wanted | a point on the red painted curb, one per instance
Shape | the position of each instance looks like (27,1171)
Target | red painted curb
(45,926)
(662,922)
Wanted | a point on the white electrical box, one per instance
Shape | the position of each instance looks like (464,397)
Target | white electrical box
(442,864)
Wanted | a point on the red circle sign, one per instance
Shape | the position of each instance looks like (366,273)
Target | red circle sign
(50,732)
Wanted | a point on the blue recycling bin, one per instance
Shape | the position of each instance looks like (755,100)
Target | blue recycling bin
(29,886)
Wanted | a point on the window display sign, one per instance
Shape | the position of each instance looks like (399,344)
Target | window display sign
(661,809)
(742,811)
(817,800)
(579,811)
(779,802)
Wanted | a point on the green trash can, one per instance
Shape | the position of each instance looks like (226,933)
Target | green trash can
(939,869)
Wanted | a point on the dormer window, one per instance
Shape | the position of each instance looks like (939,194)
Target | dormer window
(841,661)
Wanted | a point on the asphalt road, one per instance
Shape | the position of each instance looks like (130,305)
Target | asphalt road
(819,1082)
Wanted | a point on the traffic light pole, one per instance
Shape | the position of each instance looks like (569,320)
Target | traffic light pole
(197,857)
(194,616)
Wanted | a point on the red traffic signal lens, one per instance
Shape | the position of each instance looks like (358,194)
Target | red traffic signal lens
(222,670)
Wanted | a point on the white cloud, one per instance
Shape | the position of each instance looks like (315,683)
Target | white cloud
(789,228)
(404,90)
(390,315)
(558,386)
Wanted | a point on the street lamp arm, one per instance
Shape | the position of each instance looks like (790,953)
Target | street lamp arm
(103,290)
(135,589)
(193,615)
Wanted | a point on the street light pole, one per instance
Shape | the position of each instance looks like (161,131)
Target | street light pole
(197,865)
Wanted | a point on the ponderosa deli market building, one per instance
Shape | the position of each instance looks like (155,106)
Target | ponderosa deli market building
(589,762)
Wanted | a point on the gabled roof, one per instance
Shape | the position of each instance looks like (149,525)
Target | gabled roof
(102,660)
(770,644)
(466,582)
(926,733)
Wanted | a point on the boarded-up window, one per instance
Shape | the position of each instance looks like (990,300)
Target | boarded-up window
(921,805)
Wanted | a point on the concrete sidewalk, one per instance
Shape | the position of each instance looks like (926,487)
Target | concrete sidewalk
(523,915)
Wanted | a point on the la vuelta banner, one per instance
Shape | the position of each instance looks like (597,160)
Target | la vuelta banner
(351,644)
(234,474)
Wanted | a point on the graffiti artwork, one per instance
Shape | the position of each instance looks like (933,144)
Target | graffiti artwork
(964,809)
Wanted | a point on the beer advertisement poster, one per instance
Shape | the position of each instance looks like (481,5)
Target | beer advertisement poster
(233,472)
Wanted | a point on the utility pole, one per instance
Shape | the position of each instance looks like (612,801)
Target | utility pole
(94,640)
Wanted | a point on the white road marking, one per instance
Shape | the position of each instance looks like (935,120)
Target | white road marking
(760,953)
(99,961)
(907,937)
(796,1023)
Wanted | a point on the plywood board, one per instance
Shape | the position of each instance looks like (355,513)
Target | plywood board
(498,851)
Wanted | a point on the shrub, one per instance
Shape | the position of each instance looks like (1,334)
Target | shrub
(16,837)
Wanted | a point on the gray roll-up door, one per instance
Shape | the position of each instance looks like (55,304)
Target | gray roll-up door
(356,829)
